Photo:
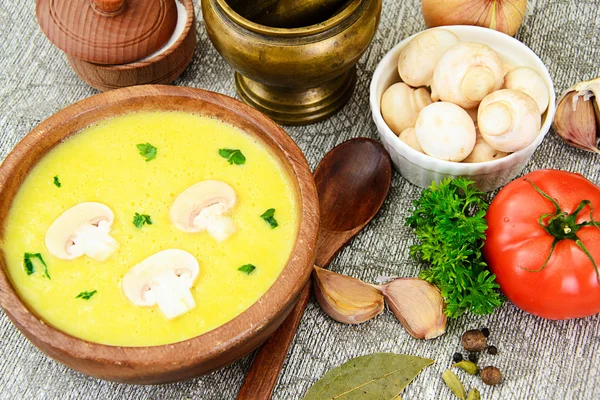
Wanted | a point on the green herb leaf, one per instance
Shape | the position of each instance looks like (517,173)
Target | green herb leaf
(140,219)
(28,263)
(56,181)
(247,269)
(268,216)
(86,295)
(379,376)
(147,151)
(449,223)
(234,156)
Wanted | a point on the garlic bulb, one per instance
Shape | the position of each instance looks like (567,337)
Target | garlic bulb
(346,299)
(502,15)
(466,73)
(578,115)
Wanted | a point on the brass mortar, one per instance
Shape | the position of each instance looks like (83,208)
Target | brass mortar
(296,76)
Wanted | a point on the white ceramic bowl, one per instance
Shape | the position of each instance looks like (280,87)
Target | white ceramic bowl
(421,169)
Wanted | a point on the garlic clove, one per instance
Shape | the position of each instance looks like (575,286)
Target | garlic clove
(418,305)
(577,116)
(346,299)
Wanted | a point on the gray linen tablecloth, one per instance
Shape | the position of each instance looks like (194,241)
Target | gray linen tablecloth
(540,359)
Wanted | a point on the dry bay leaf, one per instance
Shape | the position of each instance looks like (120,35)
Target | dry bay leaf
(379,376)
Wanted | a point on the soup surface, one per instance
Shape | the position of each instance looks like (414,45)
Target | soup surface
(103,164)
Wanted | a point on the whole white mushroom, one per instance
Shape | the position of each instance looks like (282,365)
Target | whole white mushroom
(409,137)
(527,80)
(400,105)
(445,131)
(466,73)
(419,57)
(509,120)
(484,152)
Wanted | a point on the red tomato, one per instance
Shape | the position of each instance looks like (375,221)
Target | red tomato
(517,245)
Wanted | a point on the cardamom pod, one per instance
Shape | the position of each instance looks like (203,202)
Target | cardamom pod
(474,395)
(418,305)
(346,299)
(578,116)
(468,366)
(454,384)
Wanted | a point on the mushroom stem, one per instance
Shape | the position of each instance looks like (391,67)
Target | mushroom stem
(496,118)
(172,295)
(94,241)
(214,222)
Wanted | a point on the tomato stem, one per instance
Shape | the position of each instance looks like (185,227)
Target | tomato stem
(561,226)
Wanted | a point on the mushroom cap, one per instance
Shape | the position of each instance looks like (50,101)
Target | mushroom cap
(400,105)
(418,59)
(483,152)
(409,137)
(528,81)
(466,73)
(445,131)
(509,120)
(190,202)
(140,279)
(60,234)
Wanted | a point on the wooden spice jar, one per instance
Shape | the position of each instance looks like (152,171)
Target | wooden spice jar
(117,43)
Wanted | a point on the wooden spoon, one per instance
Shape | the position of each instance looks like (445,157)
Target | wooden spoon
(352,181)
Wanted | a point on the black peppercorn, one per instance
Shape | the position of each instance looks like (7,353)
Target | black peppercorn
(473,357)
(493,350)
(485,331)
(457,357)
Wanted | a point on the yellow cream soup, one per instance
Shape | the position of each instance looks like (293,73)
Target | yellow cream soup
(102,164)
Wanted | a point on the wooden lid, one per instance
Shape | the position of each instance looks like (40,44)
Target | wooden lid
(108,31)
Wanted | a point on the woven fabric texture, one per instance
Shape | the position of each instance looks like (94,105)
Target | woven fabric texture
(540,359)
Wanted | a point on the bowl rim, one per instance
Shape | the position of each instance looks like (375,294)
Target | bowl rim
(205,348)
(458,168)
(348,10)
(187,30)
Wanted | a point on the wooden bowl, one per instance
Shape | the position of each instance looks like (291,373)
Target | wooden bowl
(163,68)
(211,350)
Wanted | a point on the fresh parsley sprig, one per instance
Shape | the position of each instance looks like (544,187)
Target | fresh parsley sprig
(269,217)
(140,219)
(28,259)
(449,223)
(247,269)
(233,156)
(147,151)
(86,295)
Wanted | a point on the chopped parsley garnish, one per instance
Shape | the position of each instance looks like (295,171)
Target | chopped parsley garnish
(28,263)
(268,216)
(86,295)
(449,224)
(234,156)
(147,151)
(56,181)
(247,269)
(140,219)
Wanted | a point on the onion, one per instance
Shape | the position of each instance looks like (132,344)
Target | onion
(502,15)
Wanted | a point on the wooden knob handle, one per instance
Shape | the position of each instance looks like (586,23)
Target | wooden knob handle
(108,6)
